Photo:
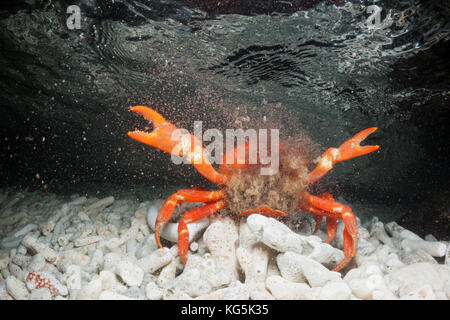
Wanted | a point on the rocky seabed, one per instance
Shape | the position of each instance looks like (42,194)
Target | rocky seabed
(88,248)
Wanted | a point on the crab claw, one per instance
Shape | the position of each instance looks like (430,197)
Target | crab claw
(149,114)
(351,148)
(161,136)
(166,137)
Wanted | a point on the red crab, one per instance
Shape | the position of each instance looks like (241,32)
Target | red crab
(321,206)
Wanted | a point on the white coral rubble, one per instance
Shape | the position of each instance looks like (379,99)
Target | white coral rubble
(89,248)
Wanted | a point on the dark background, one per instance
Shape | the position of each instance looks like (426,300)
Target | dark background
(64,99)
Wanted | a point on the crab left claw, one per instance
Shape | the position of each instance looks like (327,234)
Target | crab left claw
(352,148)
(163,138)
(348,150)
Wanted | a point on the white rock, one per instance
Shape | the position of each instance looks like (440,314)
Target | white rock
(146,246)
(174,294)
(135,293)
(50,268)
(130,273)
(434,248)
(379,233)
(383,295)
(113,244)
(361,289)
(430,237)
(47,227)
(253,258)
(215,295)
(441,295)
(73,277)
(153,292)
(109,280)
(156,260)
(237,291)
(78,201)
(220,238)
(254,262)
(4,260)
(363,271)
(335,291)
(400,233)
(25,230)
(91,291)
(415,276)
(393,262)
(447,255)
(365,247)
(272,267)
(259,292)
(131,247)
(322,252)
(63,264)
(83,216)
(99,205)
(247,238)
(37,262)
(417,256)
(193,246)
(77,257)
(16,288)
(22,260)
(110,295)
(424,292)
(17,271)
(393,285)
(3,292)
(36,246)
(363,233)
(289,267)
(168,273)
(367,278)
(85,241)
(133,231)
(383,252)
(2,288)
(274,234)
(279,237)
(40,294)
(201,275)
(96,261)
(111,259)
(295,267)
(283,289)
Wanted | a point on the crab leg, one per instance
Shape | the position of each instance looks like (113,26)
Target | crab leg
(335,210)
(331,220)
(162,138)
(183,195)
(348,150)
(191,216)
(265,211)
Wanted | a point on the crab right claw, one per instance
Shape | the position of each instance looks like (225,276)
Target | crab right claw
(348,150)
(351,148)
